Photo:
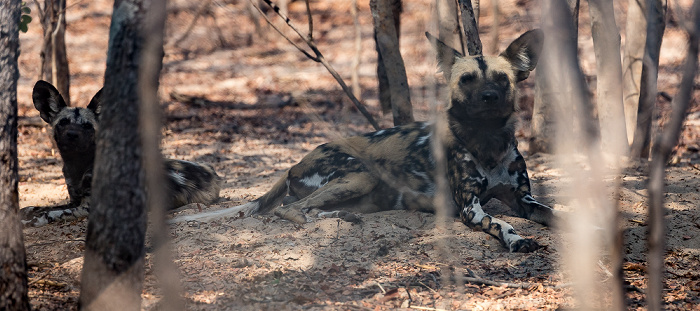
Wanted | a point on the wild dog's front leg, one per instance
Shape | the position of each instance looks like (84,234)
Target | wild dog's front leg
(523,203)
(474,216)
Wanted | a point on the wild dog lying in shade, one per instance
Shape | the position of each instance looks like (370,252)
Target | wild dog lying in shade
(395,169)
(73,131)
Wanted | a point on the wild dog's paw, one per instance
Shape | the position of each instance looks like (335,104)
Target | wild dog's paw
(291,214)
(524,246)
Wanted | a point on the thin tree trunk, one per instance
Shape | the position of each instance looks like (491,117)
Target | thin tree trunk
(448,24)
(661,153)
(656,24)
(635,38)
(606,44)
(543,110)
(494,33)
(471,29)
(390,63)
(355,77)
(54,59)
(112,277)
(13,263)
(150,129)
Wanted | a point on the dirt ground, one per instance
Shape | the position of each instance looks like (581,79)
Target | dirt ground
(392,259)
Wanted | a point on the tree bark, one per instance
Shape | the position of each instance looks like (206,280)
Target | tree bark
(112,276)
(606,44)
(635,37)
(471,28)
(54,59)
(448,24)
(543,109)
(661,153)
(656,24)
(13,264)
(355,76)
(391,73)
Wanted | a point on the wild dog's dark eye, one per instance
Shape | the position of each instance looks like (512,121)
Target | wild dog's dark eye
(87,126)
(467,78)
(63,122)
(501,78)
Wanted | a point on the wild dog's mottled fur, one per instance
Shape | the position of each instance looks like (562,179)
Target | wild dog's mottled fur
(73,131)
(395,169)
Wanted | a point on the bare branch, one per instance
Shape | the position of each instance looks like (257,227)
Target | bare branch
(311,21)
(318,58)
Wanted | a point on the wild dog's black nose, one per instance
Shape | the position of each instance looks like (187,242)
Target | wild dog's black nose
(72,135)
(489,96)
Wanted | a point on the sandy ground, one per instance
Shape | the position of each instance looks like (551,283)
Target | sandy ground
(391,260)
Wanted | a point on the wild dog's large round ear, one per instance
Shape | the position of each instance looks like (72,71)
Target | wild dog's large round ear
(96,103)
(524,52)
(446,55)
(47,100)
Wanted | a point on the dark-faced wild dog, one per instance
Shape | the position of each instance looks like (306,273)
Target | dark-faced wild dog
(73,131)
(395,168)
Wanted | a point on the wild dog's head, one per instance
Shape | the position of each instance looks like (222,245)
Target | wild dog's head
(482,89)
(73,128)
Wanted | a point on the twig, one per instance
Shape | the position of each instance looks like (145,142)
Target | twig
(382,288)
(428,287)
(319,58)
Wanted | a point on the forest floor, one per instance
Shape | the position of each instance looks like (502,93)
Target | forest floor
(267,106)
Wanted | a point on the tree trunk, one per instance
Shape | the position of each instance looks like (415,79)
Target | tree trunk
(656,24)
(495,25)
(635,37)
(13,264)
(543,109)
(471,28)
(112,276)
(661,153)
(448,24)
(355,76)
(606,44)
(391,73)
(54,60)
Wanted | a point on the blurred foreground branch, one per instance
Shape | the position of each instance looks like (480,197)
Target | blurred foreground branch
(317,57)
(660,154)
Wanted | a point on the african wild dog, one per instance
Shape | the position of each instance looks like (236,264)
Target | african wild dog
(74,131)
(394,168)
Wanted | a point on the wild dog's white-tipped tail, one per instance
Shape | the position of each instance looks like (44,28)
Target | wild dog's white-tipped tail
(263,204)
(239,211)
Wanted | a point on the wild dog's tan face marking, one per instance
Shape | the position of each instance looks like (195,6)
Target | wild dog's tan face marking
(482,88)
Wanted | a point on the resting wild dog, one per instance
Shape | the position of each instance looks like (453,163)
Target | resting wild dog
(74,131)
(394,168)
